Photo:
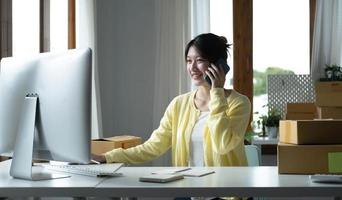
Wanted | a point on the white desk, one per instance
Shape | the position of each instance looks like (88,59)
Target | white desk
(227,181)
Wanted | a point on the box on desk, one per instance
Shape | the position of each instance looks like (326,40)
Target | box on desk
(310,131)
(99,146)
(330,112)
(300,116)
(3,158)
(300,111)
(300,108)
(329,94)
(309,159)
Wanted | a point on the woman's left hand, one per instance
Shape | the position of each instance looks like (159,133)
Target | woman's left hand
(98,158)
(216,75)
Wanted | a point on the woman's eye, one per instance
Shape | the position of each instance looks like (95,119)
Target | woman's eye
(188,61)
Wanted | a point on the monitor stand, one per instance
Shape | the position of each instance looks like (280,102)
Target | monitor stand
(21,166)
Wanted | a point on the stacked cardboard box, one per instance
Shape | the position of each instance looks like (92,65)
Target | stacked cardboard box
(310,146)
(3,158)
(99,146)
(300,111)
(329,99)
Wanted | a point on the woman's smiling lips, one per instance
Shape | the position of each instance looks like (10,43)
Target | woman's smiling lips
(197,75)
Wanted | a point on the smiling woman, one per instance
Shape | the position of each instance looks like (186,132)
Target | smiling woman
(205,127)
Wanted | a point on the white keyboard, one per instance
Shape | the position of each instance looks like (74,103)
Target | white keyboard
(326,178)
(88,170)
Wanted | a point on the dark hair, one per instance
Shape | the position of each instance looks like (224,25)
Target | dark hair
(210,46)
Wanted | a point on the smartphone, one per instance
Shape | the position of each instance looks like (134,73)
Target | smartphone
(219,63)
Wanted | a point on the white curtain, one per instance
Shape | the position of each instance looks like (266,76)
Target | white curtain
(327,37)
(200,17)
(171,79)
(200,20)
(85,37)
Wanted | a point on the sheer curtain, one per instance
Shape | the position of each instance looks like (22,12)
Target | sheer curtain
(171,79)
(327,39)
(200,20)
(85,37)
(200,17)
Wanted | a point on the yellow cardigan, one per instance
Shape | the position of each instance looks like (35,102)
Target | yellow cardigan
(223,133)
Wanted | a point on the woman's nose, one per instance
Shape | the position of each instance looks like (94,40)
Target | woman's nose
(193,65)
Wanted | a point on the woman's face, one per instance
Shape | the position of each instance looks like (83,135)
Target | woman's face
(196,66)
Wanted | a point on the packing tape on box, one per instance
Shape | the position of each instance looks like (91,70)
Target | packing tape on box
(335,162)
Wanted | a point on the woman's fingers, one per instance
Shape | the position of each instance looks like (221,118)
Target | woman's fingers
(210,75)
(217,75)
(213,71)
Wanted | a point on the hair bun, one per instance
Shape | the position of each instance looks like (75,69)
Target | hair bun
(223,39)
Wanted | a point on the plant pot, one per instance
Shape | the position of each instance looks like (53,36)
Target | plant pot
(272,131)
(329,74)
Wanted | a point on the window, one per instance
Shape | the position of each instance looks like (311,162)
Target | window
(25,23)
(58,25)
(35,24)
(221,23)
(281,43)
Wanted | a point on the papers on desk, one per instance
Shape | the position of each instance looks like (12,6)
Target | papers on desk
(174,173)
(186,171)
(197,172)
(172,170)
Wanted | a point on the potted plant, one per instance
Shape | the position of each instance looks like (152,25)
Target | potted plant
(336,72)
(329,72)
(270,123)
(333,72)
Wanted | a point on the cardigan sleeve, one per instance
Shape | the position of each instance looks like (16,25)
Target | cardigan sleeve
(227,123)
(158,143)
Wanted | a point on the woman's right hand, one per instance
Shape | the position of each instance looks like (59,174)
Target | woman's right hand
(98,158)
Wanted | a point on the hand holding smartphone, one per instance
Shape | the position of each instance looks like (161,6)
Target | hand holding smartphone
(219,63)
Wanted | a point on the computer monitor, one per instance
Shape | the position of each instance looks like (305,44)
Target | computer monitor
(45,109)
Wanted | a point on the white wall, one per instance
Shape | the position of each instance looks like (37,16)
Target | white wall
(126,60)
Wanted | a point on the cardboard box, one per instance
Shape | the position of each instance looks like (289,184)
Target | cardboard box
(309,159)
(310,131)
(329,94)
(330,112)
(300,108)
(3,158)
(300,116)
(99,146)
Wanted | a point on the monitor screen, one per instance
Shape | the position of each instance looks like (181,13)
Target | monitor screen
(62,84)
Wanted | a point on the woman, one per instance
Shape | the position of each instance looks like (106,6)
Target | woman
(204,127)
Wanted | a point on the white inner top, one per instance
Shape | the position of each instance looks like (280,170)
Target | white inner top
(196,142)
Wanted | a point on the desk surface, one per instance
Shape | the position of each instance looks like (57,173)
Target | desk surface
(226,181)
